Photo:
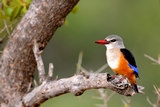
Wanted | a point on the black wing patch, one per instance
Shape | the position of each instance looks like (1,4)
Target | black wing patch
(130,58)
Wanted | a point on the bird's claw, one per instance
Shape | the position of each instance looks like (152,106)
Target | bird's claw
(118,81)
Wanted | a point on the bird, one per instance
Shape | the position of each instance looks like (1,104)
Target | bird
(120,59)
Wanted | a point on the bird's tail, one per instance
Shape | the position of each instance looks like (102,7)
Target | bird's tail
(135,88)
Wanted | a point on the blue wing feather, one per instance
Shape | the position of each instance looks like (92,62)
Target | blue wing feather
(135,69)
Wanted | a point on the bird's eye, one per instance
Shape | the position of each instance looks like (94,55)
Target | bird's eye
(113,40)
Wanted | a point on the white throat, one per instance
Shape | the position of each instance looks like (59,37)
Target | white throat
(113,56)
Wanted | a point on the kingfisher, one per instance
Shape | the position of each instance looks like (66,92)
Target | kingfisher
(120,59)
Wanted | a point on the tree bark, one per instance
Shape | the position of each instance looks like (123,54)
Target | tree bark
(17,62)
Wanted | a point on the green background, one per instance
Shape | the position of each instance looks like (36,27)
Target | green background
(136,21)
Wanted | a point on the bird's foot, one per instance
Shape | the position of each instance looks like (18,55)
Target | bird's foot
(118,81)
(121,80)
(110,78)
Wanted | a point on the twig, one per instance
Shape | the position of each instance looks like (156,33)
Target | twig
(102,68)
(5,24)
(126,102)
(83,70)
(80,69)
(158,95)
(35,83)
(110,96)
(104,97)
(79,62)
(99,105)
(153,105)
(157,90)
(40,65)
(2,39)
(152,59)
(29,87)
(6,27)
(50,72)
(2,30)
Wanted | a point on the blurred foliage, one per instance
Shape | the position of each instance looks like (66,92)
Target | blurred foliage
(137,22)
(75,9)
(11,9)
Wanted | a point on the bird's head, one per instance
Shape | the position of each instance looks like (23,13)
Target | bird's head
(112,41)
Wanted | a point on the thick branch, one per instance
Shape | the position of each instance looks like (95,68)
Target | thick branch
(76,85)
(17,63)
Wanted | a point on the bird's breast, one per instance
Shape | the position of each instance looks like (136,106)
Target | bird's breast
(113,57)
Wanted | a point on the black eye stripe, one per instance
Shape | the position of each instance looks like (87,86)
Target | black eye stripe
(113,40)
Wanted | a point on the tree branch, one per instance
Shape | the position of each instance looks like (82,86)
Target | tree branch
(75,85)
(152,59)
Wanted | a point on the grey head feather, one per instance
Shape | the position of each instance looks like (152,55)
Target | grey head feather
(117,44)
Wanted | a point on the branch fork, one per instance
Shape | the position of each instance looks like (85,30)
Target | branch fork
(40,65)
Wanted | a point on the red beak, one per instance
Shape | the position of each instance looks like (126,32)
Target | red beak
(101,42)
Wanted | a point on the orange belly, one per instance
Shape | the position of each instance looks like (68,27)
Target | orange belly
(124,69)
